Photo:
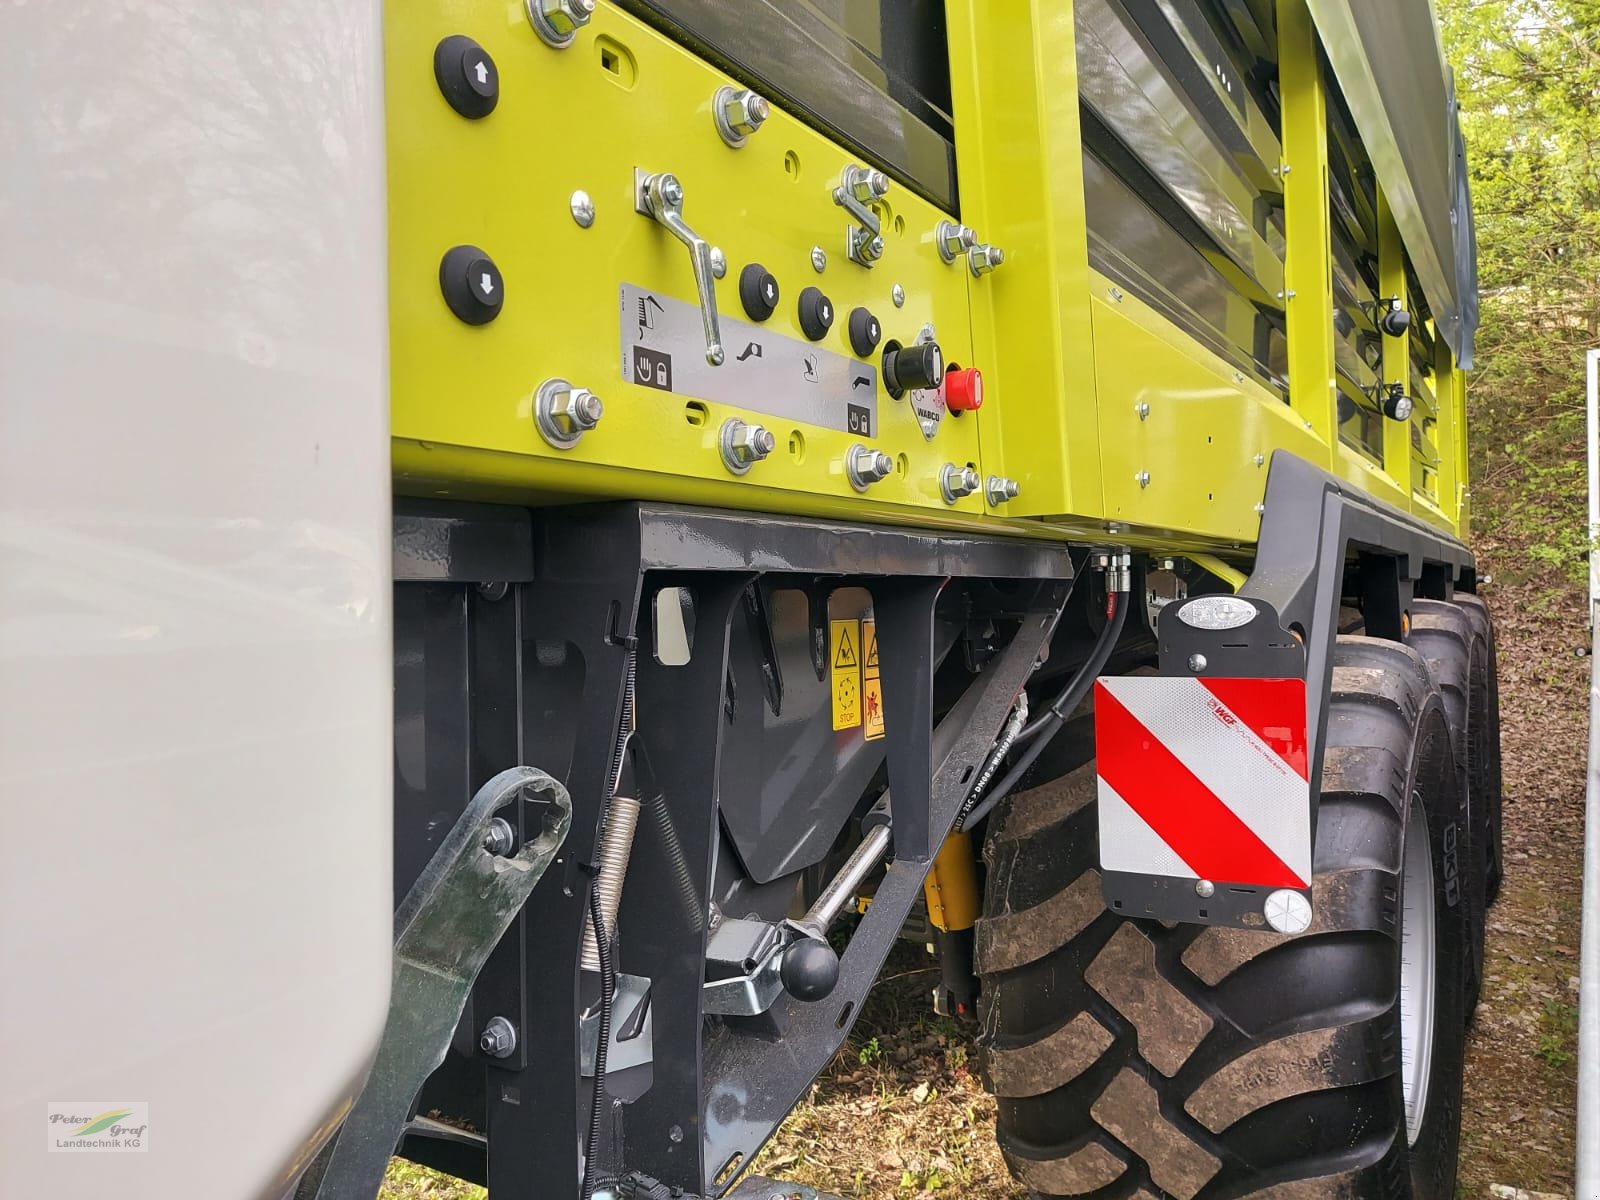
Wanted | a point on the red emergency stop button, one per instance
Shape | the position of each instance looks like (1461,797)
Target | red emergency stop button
(963,389)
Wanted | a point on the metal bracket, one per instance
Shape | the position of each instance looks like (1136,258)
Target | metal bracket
(445,928)
(858,187)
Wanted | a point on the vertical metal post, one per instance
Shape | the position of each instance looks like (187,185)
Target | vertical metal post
(1307,268)
(1397,462)
(1449,429)
(1588,1132)
(1463,494)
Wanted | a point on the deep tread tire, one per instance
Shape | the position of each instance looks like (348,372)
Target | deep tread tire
(1131,1059)
(1483,766)
(1458,656)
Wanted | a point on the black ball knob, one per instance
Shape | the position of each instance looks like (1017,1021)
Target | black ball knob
(865,332)
(758,291)
(467,76)
(810,969)
(908,368)
(472,285)
(816,314)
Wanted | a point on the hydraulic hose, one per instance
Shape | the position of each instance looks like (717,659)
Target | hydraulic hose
(1055,715)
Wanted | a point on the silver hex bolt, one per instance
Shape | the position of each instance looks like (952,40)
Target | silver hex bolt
(557,21)
(819,259)
(983,259)
(953,239)
(867,184)
(999,489)
(498,1039)
(499,839)
(864,466)
(898,295)
(1144,478)
(1260,460)
(565,412)
(956,482)
(738,113)
(743,444)
(1143,409)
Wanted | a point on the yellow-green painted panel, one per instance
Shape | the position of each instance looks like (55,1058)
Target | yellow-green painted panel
(1014,89)
(1186,437)
(624,97)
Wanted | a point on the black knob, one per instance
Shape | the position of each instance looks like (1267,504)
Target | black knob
(467,76)
(1395,321)
(810,969)
(865,332)
(908,368)
(758,291)
(816,314)
(471,284)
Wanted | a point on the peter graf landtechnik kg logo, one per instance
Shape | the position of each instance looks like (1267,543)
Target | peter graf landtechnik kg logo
(94,1126)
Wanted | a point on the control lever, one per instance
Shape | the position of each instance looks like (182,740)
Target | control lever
(660,197)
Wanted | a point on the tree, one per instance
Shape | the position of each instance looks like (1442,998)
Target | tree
(1528,78)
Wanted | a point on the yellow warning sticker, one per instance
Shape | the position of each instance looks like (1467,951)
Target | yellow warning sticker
(844,656)
(871,685)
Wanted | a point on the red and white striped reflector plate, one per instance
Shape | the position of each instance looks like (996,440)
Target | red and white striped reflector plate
(1204,779)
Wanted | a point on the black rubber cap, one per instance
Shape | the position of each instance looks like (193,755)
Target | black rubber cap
(816,314)
(865,332)
(758,291)
(908,368)
(810,969)
(471,284)
(467,76)
(1395,322)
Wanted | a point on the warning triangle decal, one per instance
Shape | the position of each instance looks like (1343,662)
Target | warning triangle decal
(844,655)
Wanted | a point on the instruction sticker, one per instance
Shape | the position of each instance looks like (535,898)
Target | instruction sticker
(871,685)
(844,658)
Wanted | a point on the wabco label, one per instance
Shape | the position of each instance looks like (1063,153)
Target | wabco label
(664,347)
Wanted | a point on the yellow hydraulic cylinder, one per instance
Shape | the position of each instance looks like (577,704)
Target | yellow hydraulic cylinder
(951,888)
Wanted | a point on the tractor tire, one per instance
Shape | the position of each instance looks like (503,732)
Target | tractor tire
(1483,753)
(1458,656)
(1133,1059)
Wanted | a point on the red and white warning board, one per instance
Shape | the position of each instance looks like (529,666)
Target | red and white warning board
(1204,779)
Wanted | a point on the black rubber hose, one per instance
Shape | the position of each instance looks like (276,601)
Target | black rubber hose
(608,989)
(1059,709)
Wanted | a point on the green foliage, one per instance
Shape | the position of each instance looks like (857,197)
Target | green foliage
(870,1052)
(1528,78)
(1558,1033)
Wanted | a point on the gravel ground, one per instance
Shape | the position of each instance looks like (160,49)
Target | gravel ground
(901,1114)
(1518,1112)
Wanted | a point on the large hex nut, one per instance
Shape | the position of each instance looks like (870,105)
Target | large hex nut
(564,412)
(739,112)
(557,21)
(744,444)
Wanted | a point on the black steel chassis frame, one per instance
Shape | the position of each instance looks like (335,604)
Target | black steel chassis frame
(513,634)
(1312,527)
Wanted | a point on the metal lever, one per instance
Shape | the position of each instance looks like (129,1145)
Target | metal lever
(660,197)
